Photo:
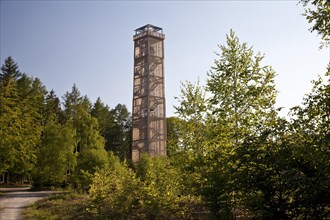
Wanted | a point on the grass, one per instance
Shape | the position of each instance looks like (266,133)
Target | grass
(69,206)
(72,206)
(59,206)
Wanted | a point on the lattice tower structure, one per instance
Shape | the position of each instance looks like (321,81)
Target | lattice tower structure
(149,110)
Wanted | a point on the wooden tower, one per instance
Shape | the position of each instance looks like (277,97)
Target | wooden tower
(149,114)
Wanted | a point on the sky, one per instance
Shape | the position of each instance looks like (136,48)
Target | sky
(90,43)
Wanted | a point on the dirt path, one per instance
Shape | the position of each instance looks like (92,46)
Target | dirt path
(15,199)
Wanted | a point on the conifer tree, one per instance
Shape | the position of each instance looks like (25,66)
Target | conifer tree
(120,132)
(17,149)
(10,124)
(9,70)
(105,121)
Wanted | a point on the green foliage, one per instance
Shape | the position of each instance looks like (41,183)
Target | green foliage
(193,134)
(120,133)
(21,99)
(267,173)
(318,13)
(55,155)
(56,146)
(115,128)
(161,188)
(238,153)
(52,108)
(71,102)
(172,144)
(89,148)
(240,104)
(227,149)
(115,191)
(192,127)
(104,118)
(32,95)
(310,139)
(242,90)
(284,172)
(153,192)
(69,206)
(89,161)
(10,124)
(9,70)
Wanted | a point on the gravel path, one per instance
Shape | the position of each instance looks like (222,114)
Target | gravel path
(15,199)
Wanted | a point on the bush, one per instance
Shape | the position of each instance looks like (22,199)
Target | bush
(115,191)
(153,192)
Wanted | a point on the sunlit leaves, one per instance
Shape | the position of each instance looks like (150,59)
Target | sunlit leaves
(317,12)
(21,103)
(152,192)
(236,104)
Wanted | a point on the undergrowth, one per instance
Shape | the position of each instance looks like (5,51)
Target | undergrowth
(59,206)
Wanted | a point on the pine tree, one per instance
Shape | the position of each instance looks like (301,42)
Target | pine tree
(9,70)
(52,107)
(71,101)
(10,124)
(32,104)
(120,132)
(105,121)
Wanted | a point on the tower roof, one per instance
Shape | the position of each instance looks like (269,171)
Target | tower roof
(148,27)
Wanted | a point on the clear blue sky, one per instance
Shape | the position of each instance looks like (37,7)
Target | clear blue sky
(90,43)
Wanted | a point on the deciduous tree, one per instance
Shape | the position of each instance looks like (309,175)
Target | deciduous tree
(317,12)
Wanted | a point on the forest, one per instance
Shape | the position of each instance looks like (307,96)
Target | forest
(230,153)
(53,142)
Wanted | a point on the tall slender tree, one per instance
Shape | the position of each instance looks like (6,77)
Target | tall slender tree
(105,121)
(55,154)
(22,102)
(10,125)
(89,148)
(242,91)
(241,102)
(120,133)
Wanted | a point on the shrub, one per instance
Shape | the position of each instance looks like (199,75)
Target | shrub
(152,192)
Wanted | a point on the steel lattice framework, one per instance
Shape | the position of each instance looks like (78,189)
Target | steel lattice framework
(149,114)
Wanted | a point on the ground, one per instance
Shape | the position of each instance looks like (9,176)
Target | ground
(14,200)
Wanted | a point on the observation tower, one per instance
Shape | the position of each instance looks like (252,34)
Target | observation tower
(148,113)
